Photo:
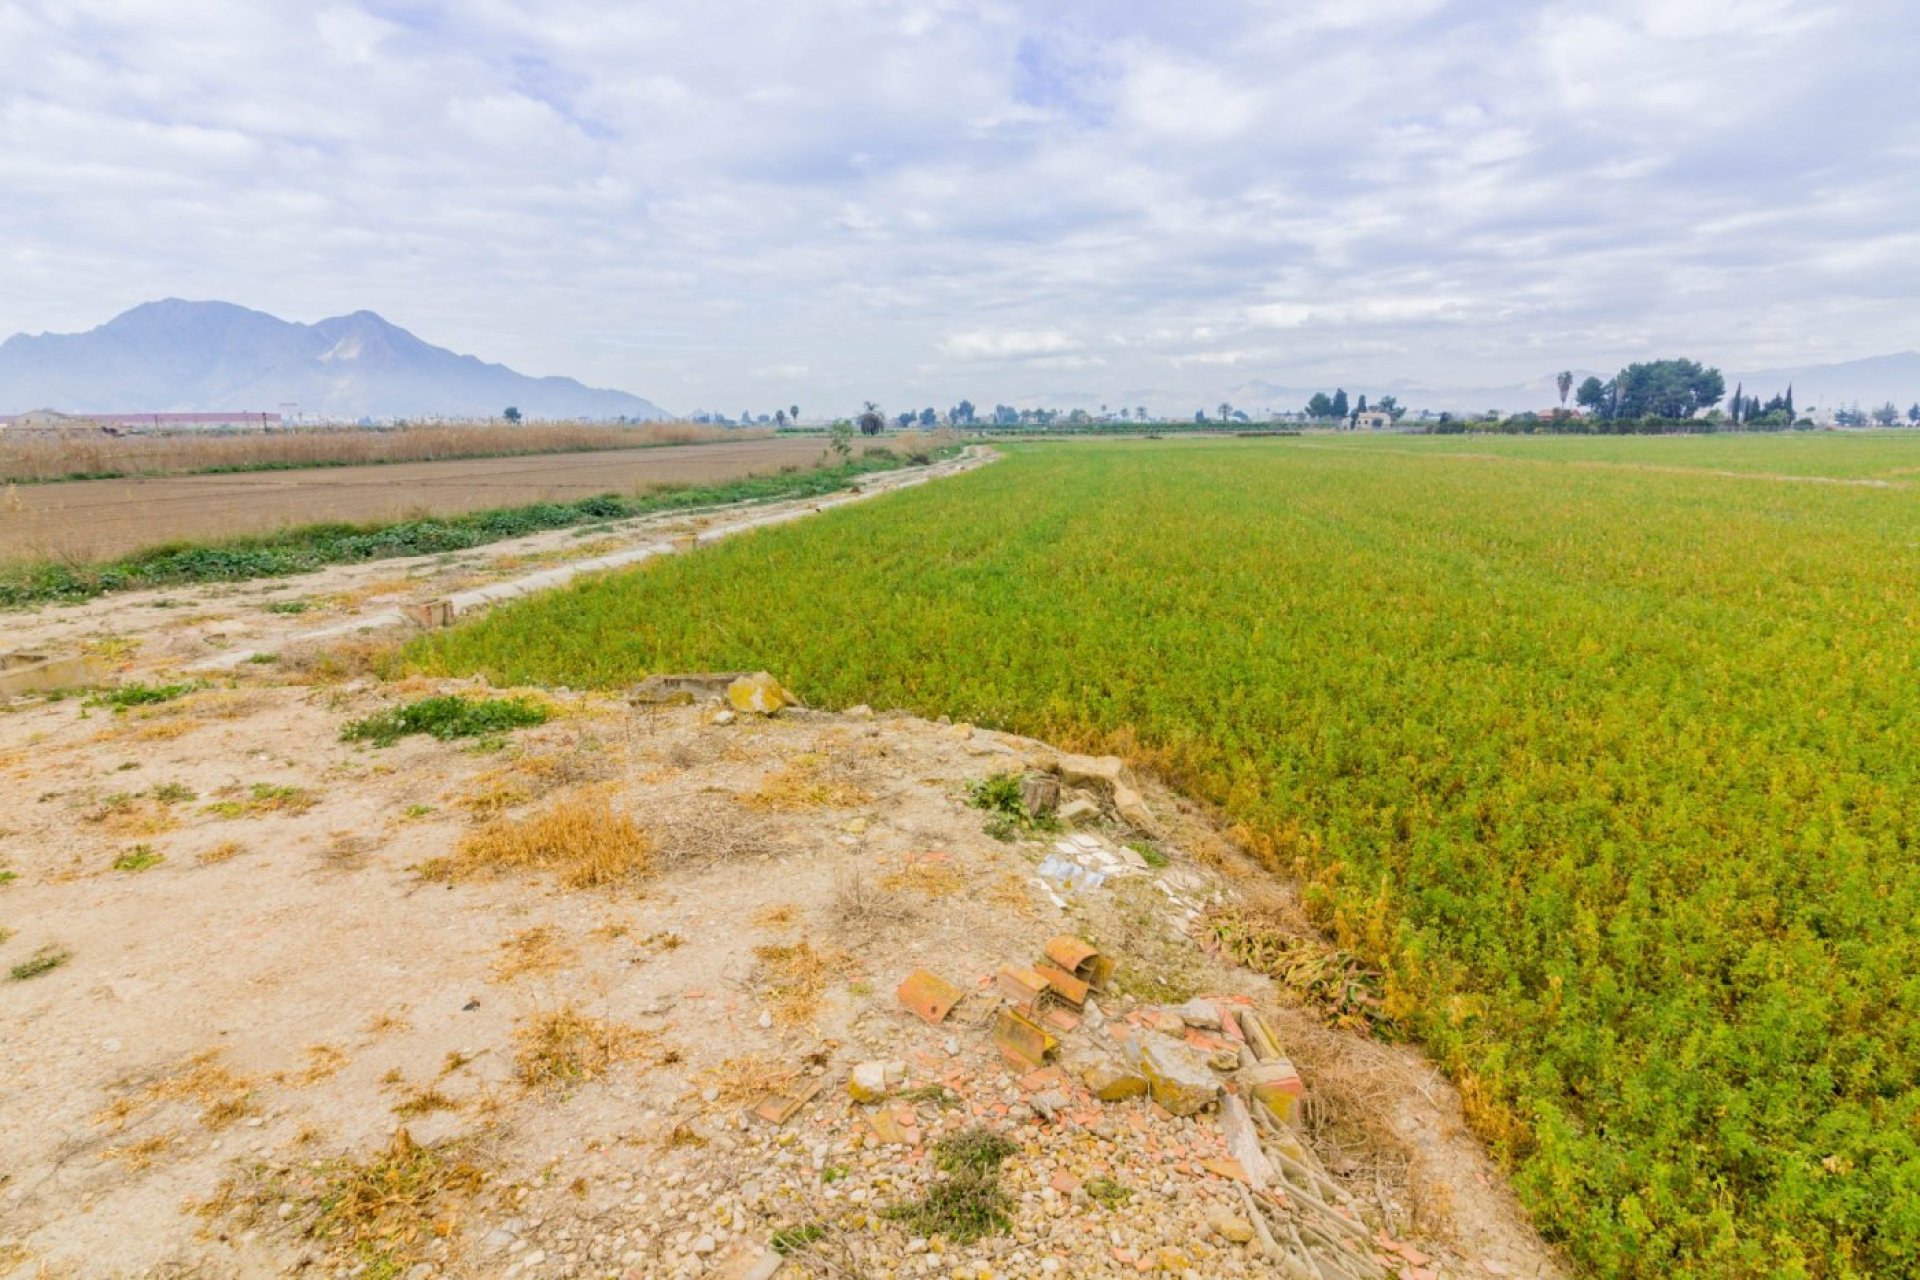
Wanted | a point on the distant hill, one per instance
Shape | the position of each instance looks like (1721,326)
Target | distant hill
(175,356)
(1869,383)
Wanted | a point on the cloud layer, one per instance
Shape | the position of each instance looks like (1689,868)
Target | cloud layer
(733,205)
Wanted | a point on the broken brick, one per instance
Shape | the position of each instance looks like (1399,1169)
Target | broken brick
(1021,1041)
(929,996)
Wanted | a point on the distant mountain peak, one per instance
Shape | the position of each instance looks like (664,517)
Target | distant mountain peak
(176,354)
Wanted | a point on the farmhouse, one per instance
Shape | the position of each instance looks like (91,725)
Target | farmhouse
(1372,420)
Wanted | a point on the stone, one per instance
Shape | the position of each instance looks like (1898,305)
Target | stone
(1103,772)
(1079,812)
(868,1083)
(1177,1075)
(1040,793)
(1112,1082)
(1230,1226)
(1275,1085)
(859,712)
(1203,1014)
(759,694)
(1132,808)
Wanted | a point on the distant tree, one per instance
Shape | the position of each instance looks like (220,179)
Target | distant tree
(1592,394)
(964,412)
(1225,411)
(1200,416)
(1340,407)
(511,413)
(1887,414)
(1319,406)
(1391,406)
(1140,412)
(1360,405)
(1913,413)
(779,418)
(928,418)
(1789,402)
(1564,381)
(1079,418)
(871,421)
(1735,411)
(1667,389)
(1126,414)
(840,438)
(1850,417)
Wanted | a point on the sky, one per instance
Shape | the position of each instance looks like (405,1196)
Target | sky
(728,205)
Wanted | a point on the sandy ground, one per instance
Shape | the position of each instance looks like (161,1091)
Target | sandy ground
(94,519)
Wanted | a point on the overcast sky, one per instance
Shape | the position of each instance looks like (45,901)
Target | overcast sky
(723,205)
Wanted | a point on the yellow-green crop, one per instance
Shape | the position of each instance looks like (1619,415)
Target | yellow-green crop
(1614,768)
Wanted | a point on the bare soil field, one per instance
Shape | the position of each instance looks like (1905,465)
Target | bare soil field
(281,1042)
(96,519)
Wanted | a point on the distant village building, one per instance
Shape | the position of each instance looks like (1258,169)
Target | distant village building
(1373,420)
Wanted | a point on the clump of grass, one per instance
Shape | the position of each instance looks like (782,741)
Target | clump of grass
(1150,853)
(1107,1192)
(1343,989)
(138,694)
(935,1095)
(287,606)
(264,798)
(969,1202)
(797,975)
(1007,816)
(860,906)
(377,1217)
(742,1081)
(222,852)
(582,838)
(790,1240)
(447,717)
(566,1048)
(173,793)
(535,950)
(45,960)
(139,858)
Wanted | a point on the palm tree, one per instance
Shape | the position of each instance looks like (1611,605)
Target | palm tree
(793,414)
(1565,383)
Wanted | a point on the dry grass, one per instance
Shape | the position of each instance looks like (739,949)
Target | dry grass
(924,876)
(535,950)
(807,782)
(341,660)
(222,1095)
(743,1081)
(581,838)
(860,907)
(225,851)
(566,1048)
(139,1156)
(131,816)
(796,977)
(530,777)
(375,1217)
(51,455)
(323,1061)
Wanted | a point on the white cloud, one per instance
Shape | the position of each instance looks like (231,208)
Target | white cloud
(918,200)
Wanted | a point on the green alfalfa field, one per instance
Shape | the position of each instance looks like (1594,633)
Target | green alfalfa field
(1607,751)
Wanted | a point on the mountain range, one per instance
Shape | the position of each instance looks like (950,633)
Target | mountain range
(178,356)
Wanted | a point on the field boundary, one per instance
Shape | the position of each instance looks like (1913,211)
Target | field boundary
(465,603)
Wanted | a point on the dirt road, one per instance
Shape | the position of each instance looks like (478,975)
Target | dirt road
(96,519)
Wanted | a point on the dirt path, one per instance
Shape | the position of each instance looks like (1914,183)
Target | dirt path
(224,624)
(95,519)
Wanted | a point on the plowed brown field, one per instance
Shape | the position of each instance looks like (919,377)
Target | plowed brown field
(97,519)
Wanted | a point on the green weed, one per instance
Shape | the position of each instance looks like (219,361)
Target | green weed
(139,858)
(138,694)
(45,960)
(446,718)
